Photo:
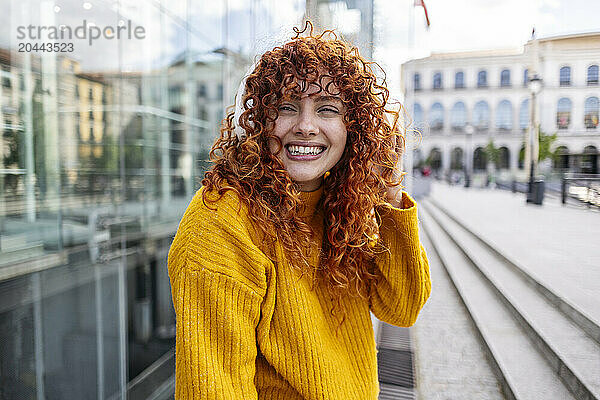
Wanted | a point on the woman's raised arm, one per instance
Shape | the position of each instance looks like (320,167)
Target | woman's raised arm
(404,283)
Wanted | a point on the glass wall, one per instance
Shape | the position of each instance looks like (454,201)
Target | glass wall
(108,111)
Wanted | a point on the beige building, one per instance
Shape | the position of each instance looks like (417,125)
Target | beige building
(462,101)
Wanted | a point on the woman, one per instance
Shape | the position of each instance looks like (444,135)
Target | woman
(300,229)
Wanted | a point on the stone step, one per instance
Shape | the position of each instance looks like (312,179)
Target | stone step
(450,361)
(575,306)
(522,370)
(572,353)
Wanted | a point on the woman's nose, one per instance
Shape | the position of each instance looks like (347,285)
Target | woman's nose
(306,124)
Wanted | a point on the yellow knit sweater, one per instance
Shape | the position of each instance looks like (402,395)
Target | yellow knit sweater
(249,328)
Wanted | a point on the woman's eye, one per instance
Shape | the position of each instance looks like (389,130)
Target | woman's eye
(286,108)
(329,109)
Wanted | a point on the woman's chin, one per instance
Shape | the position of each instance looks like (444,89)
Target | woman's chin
(308,184)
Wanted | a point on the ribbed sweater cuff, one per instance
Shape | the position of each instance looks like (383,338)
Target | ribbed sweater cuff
(403,222)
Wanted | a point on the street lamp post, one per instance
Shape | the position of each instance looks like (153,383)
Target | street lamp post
(468,139)
(535,85)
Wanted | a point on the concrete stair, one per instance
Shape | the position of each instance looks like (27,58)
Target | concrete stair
(542,346)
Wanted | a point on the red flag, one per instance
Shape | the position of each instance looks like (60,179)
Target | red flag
(421,3)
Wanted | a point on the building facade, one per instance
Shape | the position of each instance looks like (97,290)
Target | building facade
(460,102)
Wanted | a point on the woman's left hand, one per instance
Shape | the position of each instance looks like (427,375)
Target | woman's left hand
(394,193)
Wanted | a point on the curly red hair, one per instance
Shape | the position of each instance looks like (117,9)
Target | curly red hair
(357,184)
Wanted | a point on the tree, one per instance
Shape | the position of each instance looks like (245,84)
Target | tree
(492,152)
(545,144)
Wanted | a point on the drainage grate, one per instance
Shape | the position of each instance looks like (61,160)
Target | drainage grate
(395,363)
(391,392)
(394,337)
(395,367)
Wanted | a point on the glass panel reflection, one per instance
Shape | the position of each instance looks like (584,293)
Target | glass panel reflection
(105,138)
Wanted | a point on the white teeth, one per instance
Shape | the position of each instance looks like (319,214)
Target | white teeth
(304,150)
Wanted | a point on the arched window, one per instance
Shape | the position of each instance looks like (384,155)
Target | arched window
(521,161)
(563,113)
(589,161)
(590,111)
(435,158)
(565,76)
(458,116)
(561,161)
(418,116)
(437,80)
(503,158)
(459,80)
(525,77)
(592,75)
(481,116)
(505,78)
(482,78)
(436,117)
(504,116)
(456,159)
(524,115)
(479,159)
(417,81)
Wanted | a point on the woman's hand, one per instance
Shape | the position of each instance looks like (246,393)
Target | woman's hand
(394,193)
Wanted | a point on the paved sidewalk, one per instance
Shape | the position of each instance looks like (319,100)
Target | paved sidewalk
(559,246)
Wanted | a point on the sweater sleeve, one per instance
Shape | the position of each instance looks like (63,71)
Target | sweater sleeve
(404,283)
(217,283)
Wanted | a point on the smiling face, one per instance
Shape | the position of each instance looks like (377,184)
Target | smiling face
(313,134)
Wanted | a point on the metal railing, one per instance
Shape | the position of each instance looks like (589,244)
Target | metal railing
(583,187)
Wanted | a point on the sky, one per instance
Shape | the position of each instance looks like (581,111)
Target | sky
(456,25)
(459,25)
